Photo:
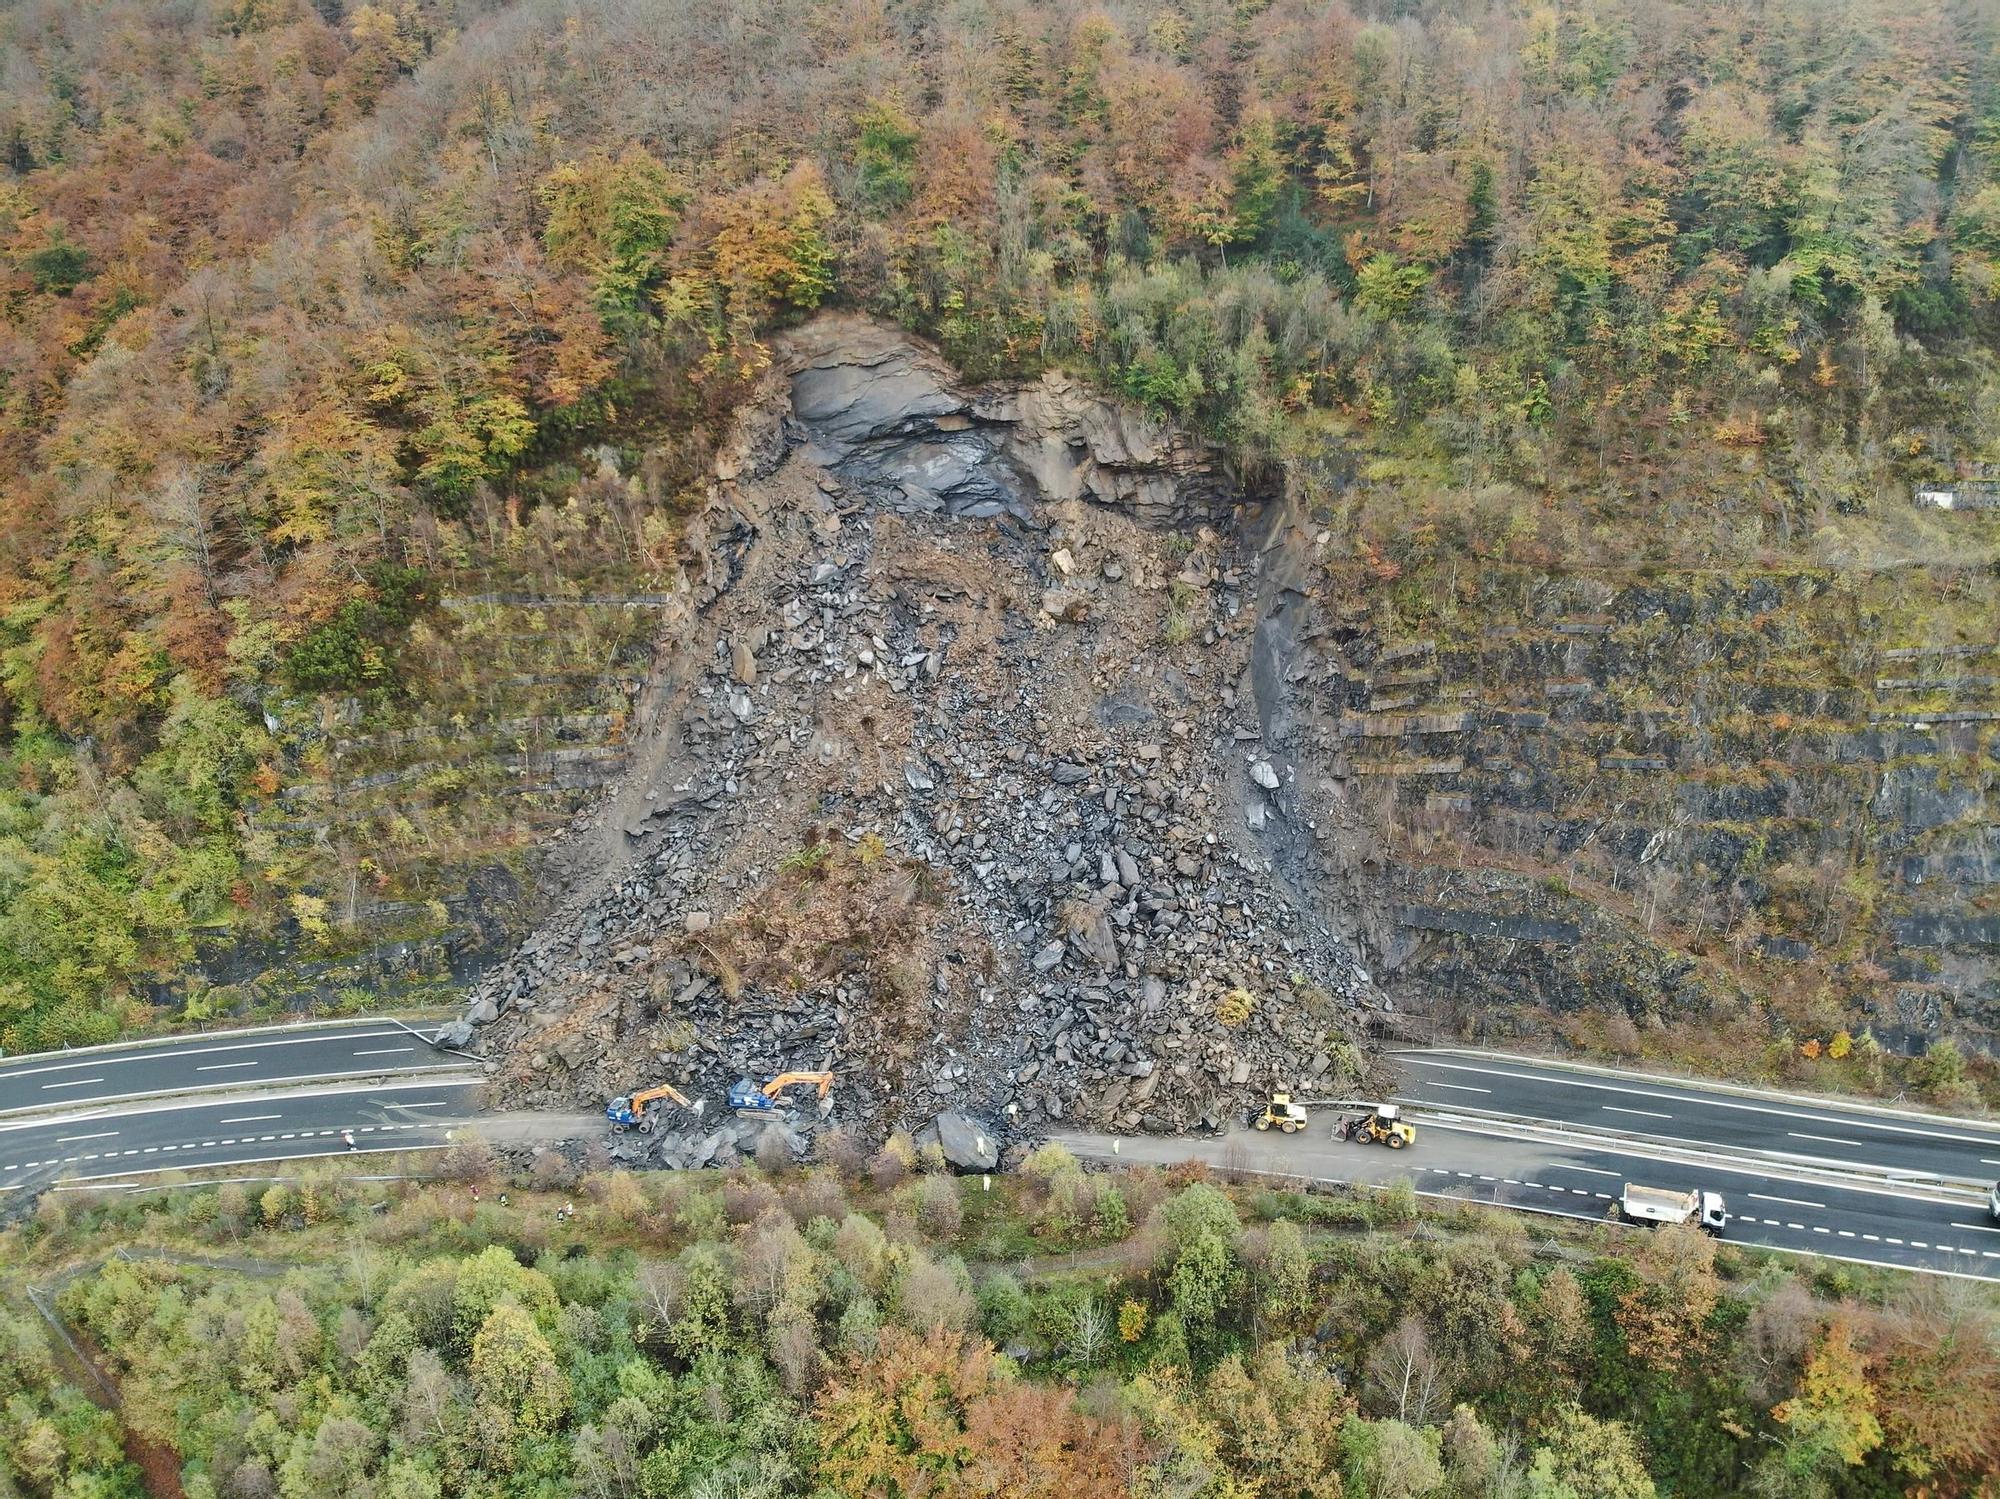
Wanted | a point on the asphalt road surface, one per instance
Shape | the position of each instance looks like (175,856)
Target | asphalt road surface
(123,1143)
(215,1061)
(1580,1179)
(1634,1104)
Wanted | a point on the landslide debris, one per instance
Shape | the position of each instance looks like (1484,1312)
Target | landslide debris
(955,783)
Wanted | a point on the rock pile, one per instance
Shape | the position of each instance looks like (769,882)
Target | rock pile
(960,789)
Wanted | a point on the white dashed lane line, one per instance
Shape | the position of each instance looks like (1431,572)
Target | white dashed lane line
(224,1066)
(109,1155)
(81,1082)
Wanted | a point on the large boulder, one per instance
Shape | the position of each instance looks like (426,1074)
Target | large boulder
(968,1144)
(454,1034)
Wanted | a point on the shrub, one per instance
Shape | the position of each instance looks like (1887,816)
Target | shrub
(1131,1321)
(1046,1162)
(1397,1203)
(1004,1310)
(940,1212)
(1235,1006)
(1112,1220)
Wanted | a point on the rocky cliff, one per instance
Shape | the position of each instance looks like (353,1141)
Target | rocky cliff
(954,780)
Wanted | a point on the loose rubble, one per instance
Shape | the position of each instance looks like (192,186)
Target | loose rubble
(951,794)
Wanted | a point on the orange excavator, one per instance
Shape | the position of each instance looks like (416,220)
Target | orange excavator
(630,1112)
(747,1097)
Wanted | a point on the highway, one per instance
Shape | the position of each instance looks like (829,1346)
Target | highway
(1875,1225)
(122,1143)
(1770,1126)
(1799,1175)
(215,1061)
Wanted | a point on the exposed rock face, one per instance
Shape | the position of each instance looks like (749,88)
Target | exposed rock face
(885,415)
(893,817)
(1669,797)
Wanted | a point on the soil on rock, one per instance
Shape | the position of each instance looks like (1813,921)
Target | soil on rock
(899,818)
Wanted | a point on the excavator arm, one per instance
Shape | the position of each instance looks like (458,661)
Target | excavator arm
(630,1112)
(648,1095)
(820,1080)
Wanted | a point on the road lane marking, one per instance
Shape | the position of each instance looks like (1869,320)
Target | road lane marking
(71,1139)
(1790,1202)
(1461,1087)
(1918,1244)
(250,1119)
(81,1082)
(1847,1233)
(1873,1238)
(1612,1108)
(1983,1228)
(386,1051)
(224,1066)
(1799,1226)
(1594,1171)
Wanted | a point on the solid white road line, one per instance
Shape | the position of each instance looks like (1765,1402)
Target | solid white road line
(224,1066)
(80,1082)
(1461,1087)
(386,1051)
(1593,1170)
(1984,1228)
(1612,1108)
(103,1135)
(250,1118)
(1793,1202)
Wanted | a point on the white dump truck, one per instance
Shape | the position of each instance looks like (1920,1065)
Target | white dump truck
(1657,1206)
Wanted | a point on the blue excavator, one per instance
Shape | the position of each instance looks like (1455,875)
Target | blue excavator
(746,1097)
(631,1111)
